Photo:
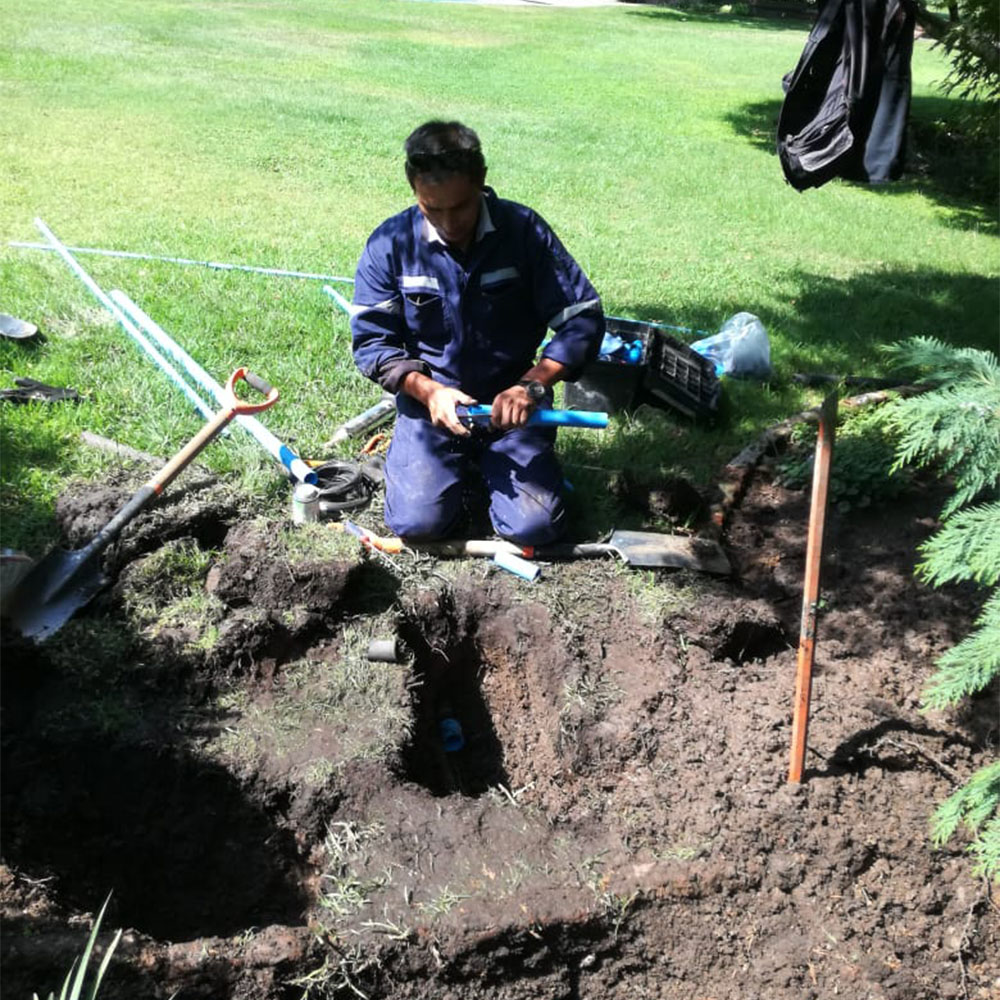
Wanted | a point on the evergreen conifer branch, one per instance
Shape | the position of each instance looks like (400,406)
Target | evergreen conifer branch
(986,848)
(966,548)
(971,665)
(956,427)
(974,804)
(936,362)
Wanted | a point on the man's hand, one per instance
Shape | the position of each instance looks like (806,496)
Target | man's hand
(511,408)
(439,399)
(441,403)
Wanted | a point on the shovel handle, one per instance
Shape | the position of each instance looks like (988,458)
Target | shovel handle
(255,382)
(233,407)
(583,550)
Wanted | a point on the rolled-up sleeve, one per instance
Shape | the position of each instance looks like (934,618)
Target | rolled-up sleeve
(569,304)
(378,337)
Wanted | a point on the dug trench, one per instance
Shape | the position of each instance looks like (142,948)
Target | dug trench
(570,789)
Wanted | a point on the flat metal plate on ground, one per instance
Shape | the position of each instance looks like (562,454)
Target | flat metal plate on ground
(649,548)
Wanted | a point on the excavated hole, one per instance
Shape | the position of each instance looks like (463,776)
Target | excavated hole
(745,641)
(448,688)
(185,851)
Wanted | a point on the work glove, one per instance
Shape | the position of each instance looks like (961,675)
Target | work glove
(30,391)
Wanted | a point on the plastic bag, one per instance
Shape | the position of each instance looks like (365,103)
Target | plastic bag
(741,347)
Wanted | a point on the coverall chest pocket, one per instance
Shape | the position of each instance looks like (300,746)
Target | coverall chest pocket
(503,297)
(424,312)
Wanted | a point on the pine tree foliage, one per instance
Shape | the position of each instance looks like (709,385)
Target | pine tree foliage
(966,548)
(971,665)
(955,426)
(935,362)
(975,804)
(957,423)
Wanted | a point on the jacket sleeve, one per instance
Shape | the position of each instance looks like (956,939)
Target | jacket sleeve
(568,303)
(378,338)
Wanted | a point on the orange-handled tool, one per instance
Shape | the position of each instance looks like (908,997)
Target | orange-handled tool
(810,589)
(64,581)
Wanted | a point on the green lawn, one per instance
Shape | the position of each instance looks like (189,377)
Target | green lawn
(270,133)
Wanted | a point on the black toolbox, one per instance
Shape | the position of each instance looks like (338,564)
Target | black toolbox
(669,373)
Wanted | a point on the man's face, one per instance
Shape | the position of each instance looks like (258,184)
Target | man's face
(451,206)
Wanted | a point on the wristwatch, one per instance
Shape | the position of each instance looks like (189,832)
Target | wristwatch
(534,389)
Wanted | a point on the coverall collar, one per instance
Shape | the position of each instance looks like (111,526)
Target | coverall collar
(485,224)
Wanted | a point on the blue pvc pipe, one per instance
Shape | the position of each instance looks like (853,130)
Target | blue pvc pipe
(594,419)
(172,373)
(299,470)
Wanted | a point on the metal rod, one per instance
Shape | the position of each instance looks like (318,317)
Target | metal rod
(214,264)
(171,372)
(382,412)
(252,425)
(810,589)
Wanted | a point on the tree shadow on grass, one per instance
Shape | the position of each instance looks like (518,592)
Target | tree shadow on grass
(739,16)
(818,322)
(834,321)
(27,451)
(958,171)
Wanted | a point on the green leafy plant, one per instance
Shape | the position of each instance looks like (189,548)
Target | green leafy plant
(956,427)
(862,468)
(971,37)
(73,985)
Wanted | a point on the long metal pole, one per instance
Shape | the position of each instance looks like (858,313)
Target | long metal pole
(295,465)
(137,336)
(214,264)
(810,590)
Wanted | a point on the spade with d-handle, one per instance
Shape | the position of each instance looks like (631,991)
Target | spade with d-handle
(65,581)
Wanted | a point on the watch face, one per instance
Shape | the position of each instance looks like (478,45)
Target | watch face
(535,390)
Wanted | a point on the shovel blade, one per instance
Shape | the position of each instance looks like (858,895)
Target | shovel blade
(648,548)
(16,329)
(54,590)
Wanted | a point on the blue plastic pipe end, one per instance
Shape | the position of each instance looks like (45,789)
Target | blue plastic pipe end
(452,737)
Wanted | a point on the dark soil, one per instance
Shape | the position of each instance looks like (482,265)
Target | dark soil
(277,815)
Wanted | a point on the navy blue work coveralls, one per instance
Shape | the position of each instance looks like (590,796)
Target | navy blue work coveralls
(471,320)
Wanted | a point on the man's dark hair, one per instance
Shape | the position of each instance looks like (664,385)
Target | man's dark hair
(437,150)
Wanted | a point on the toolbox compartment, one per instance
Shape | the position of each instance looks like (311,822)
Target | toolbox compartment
(669,373)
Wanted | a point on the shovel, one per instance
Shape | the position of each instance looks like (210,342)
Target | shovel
(646,548)
(65,581)
(16,329)
(634,548)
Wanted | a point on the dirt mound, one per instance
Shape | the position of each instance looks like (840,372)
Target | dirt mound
(570,789)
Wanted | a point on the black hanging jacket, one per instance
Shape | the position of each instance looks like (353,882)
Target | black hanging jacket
(846,103)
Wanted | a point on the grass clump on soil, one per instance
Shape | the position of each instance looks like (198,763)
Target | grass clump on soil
(354,710)
(345,892)
(166,590)
(316,541)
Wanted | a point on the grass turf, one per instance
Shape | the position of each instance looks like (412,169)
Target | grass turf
(270,133)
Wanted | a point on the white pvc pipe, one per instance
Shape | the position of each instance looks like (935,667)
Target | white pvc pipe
(214,264)
(299,469)
(158,358)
